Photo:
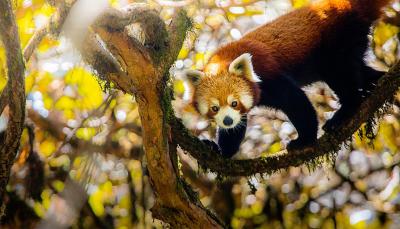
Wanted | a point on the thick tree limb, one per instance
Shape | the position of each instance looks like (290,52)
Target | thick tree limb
(15,90)
(145,64)
(327,145)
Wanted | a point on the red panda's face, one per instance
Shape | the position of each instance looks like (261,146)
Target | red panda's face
(227,95)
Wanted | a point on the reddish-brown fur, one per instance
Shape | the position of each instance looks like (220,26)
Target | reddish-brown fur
(324,41)
(234,87)
(279,45)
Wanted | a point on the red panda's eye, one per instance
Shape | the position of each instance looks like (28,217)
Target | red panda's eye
(234,104)
(215,108)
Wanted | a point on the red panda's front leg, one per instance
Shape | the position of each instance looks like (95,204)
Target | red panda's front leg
(229,140)
(283,94)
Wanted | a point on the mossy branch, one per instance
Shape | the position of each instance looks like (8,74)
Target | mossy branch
(140,66)
(327,146)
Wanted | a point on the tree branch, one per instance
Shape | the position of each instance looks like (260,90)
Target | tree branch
(15,90)
(145,64)
(53,27)
(373,107)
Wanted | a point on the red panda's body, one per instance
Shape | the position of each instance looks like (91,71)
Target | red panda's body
(325,41)
(292,38)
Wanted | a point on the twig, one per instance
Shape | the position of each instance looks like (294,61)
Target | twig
(54,27)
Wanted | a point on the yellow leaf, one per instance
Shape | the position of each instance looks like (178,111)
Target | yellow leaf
(47,147)
(42,82)
(46,44)
(26,27)
(91,95)
(30,81)
(183,53)
(58,185)
(85,133)
(179,87)
(96,202)
(299,3)
(3,74)
(48,101)
(65,103)
(276,147)
(62,160)
(383,31)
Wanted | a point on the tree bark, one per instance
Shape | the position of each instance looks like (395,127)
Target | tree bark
(145,72)
(15,91)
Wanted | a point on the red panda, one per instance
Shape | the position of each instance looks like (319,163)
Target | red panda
(324,41)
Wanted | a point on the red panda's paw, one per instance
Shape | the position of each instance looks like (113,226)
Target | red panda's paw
(212,145)
(300,144)
(331,125)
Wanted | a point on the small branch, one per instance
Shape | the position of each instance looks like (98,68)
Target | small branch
(54,27)
(15,91)
(176,30)
(34,42)
(327,145)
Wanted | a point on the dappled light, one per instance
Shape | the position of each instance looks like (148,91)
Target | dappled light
(103,132)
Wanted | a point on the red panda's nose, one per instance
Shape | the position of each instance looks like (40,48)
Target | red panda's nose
(228,121)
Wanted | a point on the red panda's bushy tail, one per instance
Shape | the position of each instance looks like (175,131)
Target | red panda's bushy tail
(369,9)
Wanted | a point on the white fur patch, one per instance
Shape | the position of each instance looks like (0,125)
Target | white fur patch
(246,99)
(193,76)
(213,68)
(242,66)
(230,99)
(188,92)
(227,111)
(202,105)
(214,102)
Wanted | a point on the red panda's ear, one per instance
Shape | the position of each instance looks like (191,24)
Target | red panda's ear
(242,66)
(193,76)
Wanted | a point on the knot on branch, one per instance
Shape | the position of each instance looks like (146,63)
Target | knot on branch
(135,44)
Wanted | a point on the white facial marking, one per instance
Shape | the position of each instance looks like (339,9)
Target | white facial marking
(202,105)
(213,68)
(230,99)
(227,111)
(242,66)
(193,76)
(246,99)
(188,92)
(214,102)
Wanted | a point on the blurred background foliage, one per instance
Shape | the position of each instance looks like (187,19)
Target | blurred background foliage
(81,163)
